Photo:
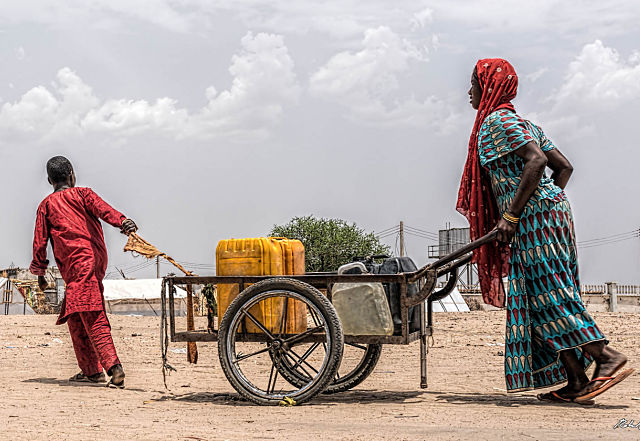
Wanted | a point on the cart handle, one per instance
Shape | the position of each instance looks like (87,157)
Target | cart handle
(489,237)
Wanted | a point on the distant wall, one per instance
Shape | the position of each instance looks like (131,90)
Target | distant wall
(150,307)
(597,298)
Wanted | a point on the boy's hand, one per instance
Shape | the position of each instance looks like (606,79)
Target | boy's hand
(128,227)
(42,283)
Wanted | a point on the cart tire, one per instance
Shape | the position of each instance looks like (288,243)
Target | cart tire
(330,325)
(345,382)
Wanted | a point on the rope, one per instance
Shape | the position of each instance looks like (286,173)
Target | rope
(138,245)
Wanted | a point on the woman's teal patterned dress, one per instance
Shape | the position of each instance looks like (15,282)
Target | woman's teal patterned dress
(545,313)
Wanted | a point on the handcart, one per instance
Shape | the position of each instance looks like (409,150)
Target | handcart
(271,365)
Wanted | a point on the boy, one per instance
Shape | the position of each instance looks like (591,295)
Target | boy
(69,217)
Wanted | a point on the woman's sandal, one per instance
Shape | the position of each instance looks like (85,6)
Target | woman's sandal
(609,382)
(555,397)
(82,378)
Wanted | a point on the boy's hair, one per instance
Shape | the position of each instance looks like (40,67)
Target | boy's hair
(58,168)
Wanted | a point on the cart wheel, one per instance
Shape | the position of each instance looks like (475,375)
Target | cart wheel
(358,361)
(251,361)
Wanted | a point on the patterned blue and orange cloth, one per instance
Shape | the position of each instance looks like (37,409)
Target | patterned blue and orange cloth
(545,313)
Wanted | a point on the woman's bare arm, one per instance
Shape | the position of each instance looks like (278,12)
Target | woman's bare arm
(535,162)
(561,167)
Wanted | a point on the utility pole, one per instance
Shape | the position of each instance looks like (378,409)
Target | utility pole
(401,239)
(157,267)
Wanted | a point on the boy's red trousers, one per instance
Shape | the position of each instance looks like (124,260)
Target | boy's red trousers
(91,335)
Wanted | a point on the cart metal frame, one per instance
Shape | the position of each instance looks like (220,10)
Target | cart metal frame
(426,278)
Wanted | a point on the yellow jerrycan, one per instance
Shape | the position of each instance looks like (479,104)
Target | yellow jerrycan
(261,257)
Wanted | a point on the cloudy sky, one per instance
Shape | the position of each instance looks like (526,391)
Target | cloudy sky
(207,120)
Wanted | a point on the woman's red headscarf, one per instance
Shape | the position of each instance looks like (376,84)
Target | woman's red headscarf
(476,202)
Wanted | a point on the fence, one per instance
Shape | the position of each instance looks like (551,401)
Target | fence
(602,297)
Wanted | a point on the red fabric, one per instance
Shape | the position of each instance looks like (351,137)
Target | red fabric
(91,336)
(476,202)
(71,219)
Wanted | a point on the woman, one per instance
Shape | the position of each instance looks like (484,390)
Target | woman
(550,337)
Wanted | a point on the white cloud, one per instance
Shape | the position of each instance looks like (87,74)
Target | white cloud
(20,53)
(599,75)
(337,18)
(535,76)
(422,18)
(614,17)
(597,82)
(100,13)
(264,82)
(366,81)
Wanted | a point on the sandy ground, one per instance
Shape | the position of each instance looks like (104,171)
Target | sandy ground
(465,398)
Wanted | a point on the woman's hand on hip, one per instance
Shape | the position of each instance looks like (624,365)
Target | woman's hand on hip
(506,231)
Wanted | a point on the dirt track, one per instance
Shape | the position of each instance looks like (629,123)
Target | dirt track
(465,398)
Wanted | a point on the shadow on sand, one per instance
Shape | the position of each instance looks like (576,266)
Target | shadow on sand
(67,383)
(503,400)
(353,396)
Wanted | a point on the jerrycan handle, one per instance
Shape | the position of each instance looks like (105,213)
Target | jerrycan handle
(352,265)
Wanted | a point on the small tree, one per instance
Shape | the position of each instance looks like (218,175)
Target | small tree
(329,243)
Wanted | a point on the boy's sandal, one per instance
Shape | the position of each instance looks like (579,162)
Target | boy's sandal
(555,397)
(609,382)
(82,378)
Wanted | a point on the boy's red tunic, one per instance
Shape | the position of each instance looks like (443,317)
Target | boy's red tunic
(71,219)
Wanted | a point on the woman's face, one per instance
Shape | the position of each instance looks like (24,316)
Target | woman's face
(475,92)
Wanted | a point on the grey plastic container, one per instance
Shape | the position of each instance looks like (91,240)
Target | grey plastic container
(362,307)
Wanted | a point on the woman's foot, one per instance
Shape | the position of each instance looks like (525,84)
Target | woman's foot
(608,363)
(556,397)
(568,392)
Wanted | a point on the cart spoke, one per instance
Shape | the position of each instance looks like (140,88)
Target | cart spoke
(257,323)
(242,356)
(272,376)
(306,355)
(364,348)
(309,376)
(316,321)
(303,361)
(283,318)
(301,336)
(314,317)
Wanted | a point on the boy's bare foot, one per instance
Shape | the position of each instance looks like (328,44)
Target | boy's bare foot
(117,377)
(82,378)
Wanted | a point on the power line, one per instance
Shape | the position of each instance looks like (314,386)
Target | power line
(396,244)
(391,233)
(137,266)
(386,230)
(421,236)
(627,235)
(422,231)
(582,247)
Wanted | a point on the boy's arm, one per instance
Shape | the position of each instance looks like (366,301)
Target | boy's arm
(102,210)
(40,237)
